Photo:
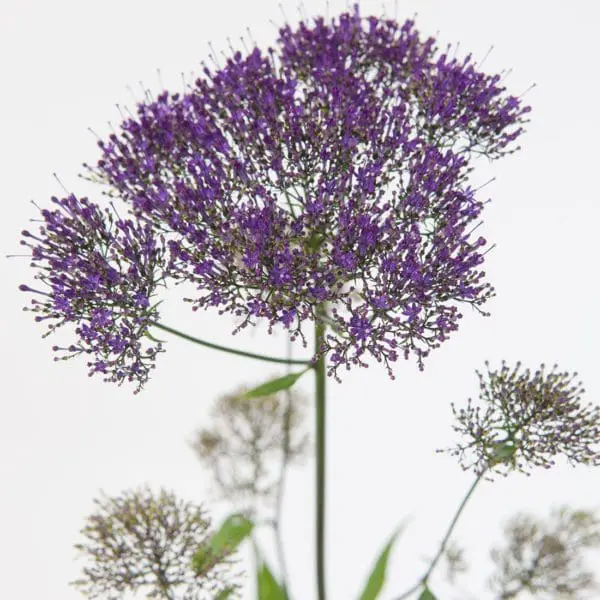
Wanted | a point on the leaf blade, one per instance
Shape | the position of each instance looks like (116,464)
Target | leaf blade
(274,385)
(376,579)
(232,532)
(268,587)
(427,594)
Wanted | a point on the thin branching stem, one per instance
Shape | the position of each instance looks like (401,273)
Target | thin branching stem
(195,340)
(423,581)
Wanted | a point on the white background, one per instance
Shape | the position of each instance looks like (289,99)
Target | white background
(63,436)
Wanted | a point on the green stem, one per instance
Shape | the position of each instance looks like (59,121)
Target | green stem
(281,485)
(281,558)
(319,368)
(442,548)
(189,338)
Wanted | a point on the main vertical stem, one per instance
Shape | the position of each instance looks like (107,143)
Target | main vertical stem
(320,451)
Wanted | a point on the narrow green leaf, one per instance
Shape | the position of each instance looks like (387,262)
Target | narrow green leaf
(234,530)
(377,577)
(225,594)
(275,385)
(268,588)
(427,594)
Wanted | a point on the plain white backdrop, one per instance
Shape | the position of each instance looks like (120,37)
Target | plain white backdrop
(63,436)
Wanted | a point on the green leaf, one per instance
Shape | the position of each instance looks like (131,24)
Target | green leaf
(377,577)
(225,594)
(503,452)
(234,530)
(275,385)
(268,588)
(427,594)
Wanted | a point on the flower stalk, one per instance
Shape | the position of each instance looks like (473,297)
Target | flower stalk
(263,357)
(287,418)
(320,391)
(425,578)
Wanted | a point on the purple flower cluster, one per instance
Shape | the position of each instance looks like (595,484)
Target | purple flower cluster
(100,273)
(450,102)
(327,175)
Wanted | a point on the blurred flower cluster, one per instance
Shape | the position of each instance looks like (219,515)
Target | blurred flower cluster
(142,541)
(247,445)
(547,559)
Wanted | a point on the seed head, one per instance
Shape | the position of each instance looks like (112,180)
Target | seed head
(141,541)
(525,419)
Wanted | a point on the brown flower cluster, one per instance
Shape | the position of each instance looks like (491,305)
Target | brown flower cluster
(249,444)
(140,541)
(525,419)
(547,559)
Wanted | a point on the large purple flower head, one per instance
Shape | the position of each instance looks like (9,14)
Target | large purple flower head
(325,178)
(328,171)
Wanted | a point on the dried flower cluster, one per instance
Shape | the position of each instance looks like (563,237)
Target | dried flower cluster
(547,560)
(526,419)
(330,170)
(249,443)
(140,541)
